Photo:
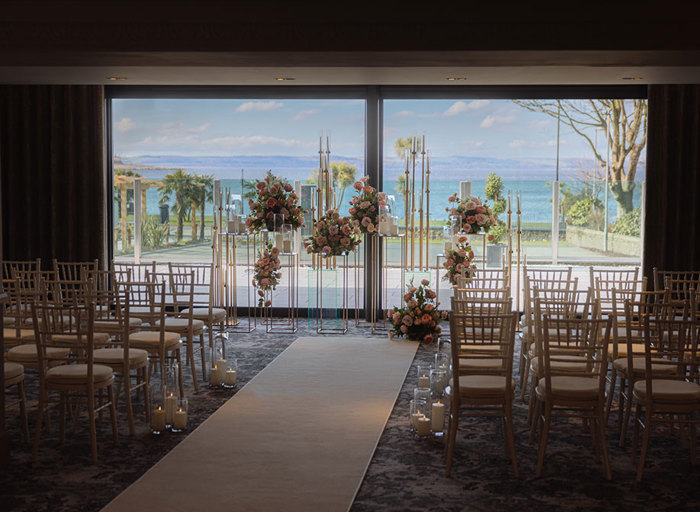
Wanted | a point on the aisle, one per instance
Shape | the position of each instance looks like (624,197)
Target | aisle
(299,436)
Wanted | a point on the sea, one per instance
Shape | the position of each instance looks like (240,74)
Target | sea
(531,179)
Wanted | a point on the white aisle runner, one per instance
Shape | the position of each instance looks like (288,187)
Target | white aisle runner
(298,437)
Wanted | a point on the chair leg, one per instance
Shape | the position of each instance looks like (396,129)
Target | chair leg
(693,441)
(91,418)
(645,446)
(544,436)
(190,358)
(535,420)
(625,409)
(129,404)
(523,380)
(510,438)
(635,431)
(63,404)
(39,421)
(23,410)
(533,399)
(593,427)
(451,439)
(603,444)
(613,379)
(113,414)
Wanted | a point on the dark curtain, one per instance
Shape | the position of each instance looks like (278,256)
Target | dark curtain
(672,224)
(52,158)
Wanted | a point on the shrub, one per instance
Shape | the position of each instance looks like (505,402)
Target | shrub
(629,224)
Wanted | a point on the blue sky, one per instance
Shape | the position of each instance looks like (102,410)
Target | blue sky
(481,128)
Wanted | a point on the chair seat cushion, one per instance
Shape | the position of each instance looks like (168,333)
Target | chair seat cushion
(27,353)
(182,324)
(639,366)
(8,320)
(569,365)
(113,325)
(11,334)
(573,388)
(13,371)
(217,314)
(151,339)
(99,339)
(637,348)
(137,357)
(77,374)
(469,363)
(486,386)
(667,390)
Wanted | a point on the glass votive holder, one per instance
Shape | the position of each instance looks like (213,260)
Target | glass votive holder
(423,422)
(442,360)
(156,397)
(418,410)
(437,383)
(180,416)
(215,380)
(421,395)
(230,370)
(423,376)
(437,417)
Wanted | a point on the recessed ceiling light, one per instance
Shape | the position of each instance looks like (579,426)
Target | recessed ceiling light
(456,78)
(115,78)
(283,78)
(632,78)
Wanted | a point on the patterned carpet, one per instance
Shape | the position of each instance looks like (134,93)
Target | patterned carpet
(405,474)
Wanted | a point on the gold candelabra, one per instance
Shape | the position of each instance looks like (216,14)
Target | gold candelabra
(325,197)
(417,240)
(518,246)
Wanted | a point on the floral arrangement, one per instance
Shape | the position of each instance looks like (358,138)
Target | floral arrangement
(364,207)
(334,235)
(458,260)
(267,273)
(475,215)
(274,195)
(419,319)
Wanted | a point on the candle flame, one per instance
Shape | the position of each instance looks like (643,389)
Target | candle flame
(160,408)
(180,409)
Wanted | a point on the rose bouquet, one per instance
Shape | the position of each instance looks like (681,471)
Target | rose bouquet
(274,195)
(364,207)
(475,215)
(266,272)
(334,235)
(419,319)
(458,261)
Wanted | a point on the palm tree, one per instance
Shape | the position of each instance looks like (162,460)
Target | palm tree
(129,192)
(180,185)
(206,194)
(343,176)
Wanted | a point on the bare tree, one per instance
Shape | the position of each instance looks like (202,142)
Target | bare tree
(627,136)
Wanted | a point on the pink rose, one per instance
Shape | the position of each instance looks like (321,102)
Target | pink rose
(366,221)
(412,304)
(370,228)
(453,198)
(425,282)
(396,317)
(345,242)
(480,209)
(260,185)
(333,230)
(322,240)
(364,204)
(428,307)
(352,211)
(407,320)
(271,202)
(481,219)
(471,205)
(403,329)
(356,230)
(367,189)
(346,229)
(407,297)
(288,187)
(275,251)
(326,250)
(428,338)
(358,185)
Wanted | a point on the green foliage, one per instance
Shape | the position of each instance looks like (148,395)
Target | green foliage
(494,192)
(629,224)
(586,212)
(400,186)
(154,235)
(129,191)
(402,145)
(180,186)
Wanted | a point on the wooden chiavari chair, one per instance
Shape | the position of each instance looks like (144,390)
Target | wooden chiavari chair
(612,274)
(137,272)
(603,290)
(74,270)
(484,278)
(203,301)
(577,390)
(8,270)
(482,367)
(14,376)
(69,326)
(661,276)
(671,341)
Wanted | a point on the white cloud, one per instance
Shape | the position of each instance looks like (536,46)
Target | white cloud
(303,114)
(259,106)
(125,124)
(541,123)
(403,113)
(494,119)
(472,144)
(459,107)
(516,143)
(519,143)
(179,128)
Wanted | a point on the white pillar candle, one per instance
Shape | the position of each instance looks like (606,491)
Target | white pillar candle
(279,239)
(423,381)
(230,378)
(180,419)
(423,425)
(221,367)
(215,376)
(394,229)
(287,246)
(158,419)
(438,416)
(170,406)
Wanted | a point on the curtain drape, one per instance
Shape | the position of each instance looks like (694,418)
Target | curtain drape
(672,207)
(52,158)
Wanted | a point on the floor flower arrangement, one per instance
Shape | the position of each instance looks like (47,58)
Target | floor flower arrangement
(274,195)
(475,215)
(420,318)
(364,207)
(458,261)
(335,235)
(267,273)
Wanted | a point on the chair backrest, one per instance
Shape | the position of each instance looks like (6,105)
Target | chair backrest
(8,267)
(661,276)
(74,270)
(636,310)
(582,342)
(58,325)
(681,289)
(484,278)
(613,274)
(202,275)
(603,289)
(137,271)
(483,336)
(179,293)
(538,279)
(671,346)
(32,286)
(486,294)
(480,305)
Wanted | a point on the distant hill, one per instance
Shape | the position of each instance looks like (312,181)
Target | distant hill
(299,168)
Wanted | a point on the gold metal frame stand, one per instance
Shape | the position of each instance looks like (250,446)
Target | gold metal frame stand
(290,323)
(378,326)
(338,264)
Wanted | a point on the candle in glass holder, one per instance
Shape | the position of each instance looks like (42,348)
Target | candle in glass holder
(438,416)
(180,416)
(423,376)
(230,378)
(170,405)
(423,425)
(158,419)
(215,376)
(221,367)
